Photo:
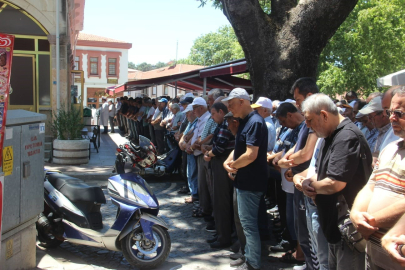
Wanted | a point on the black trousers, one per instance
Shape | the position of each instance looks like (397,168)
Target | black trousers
(159,136)
(204,184)
(222,189)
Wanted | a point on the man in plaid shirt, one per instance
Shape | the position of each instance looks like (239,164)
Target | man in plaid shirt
(223,143)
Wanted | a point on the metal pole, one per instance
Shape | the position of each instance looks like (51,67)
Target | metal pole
(205,86)
(175,89)
(57,58)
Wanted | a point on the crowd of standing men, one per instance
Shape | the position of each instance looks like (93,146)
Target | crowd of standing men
(311,155)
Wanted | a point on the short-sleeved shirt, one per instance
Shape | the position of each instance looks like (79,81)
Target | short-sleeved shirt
(142,109)
(209,128)
(301,142)
(340,159)
(178,118)
(271,133)
(252,131)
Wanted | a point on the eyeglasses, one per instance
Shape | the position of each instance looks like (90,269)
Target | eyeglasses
(371,117)
(397,113)
(196,107)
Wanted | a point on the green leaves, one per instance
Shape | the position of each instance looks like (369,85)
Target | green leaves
(215,48)
(368,45)
(67,124)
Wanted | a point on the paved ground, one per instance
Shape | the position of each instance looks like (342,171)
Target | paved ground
(189,249)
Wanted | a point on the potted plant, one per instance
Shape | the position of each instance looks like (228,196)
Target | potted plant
(69,147)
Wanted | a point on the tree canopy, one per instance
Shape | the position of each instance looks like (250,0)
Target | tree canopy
(368,45)
(215,48)
(146,66)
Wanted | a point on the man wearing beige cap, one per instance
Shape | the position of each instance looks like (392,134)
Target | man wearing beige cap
(247,166)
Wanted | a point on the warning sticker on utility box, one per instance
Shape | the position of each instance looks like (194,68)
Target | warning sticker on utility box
(8,160)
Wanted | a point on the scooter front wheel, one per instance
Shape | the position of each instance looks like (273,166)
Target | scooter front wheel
(143,253)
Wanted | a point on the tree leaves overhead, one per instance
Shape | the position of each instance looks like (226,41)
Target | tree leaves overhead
(146,66)
(215,48)
(368,45)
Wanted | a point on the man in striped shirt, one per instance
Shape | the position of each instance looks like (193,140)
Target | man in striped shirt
(380,204)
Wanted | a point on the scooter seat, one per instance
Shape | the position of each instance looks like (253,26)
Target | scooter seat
(76,190)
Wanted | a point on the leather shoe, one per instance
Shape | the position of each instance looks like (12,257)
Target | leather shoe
(217,244)
(238,262)
(283,246)
(235,256)
(212,240)
(245,266)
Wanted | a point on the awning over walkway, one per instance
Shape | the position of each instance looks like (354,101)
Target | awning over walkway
(218,76)
(397,78)
(115,89)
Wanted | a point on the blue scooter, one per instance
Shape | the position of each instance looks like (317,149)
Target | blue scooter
(72,213)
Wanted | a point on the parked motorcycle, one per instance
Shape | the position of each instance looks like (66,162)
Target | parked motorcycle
(131,153)
(72,213)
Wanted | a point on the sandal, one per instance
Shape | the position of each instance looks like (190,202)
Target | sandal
(289,258)
(189,200)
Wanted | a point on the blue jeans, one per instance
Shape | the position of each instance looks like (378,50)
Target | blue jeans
(192,175)
(248,210)
(318,240)
(341,257)
(290,216)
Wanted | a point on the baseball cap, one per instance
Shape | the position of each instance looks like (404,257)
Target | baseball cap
(350,105)
(359,114)
(373,106)
(288,100)
(188,109)
(228,115)
(163,100)
(237,93)
(187,100)
(263,102)
(199,101)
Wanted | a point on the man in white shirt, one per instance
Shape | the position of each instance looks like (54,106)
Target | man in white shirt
(104,115)
(201,111)
(151,114)
(111,114)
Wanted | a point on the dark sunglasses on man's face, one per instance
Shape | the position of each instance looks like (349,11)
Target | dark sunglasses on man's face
(397,113)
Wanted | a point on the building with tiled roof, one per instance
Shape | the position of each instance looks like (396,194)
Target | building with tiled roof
(104,62)
(161,72)
(159,90)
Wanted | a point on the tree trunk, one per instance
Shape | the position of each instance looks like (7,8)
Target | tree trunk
(285,45)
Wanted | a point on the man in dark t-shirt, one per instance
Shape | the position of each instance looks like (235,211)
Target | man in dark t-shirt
(249,163)
(340,170)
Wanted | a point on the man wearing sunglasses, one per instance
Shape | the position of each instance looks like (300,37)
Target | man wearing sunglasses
(380,203)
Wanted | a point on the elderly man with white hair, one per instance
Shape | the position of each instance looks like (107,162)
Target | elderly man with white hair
(342,169)
(177,118)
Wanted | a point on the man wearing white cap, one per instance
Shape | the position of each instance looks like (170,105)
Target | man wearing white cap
(381,121)
(264,107)
(247,166)
(201,111)
(184,143)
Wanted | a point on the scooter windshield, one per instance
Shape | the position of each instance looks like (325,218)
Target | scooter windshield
(144,142)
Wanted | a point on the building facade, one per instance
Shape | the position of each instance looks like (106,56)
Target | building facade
(104,63)
(34,73)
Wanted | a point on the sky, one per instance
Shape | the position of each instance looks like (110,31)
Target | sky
(152,26)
